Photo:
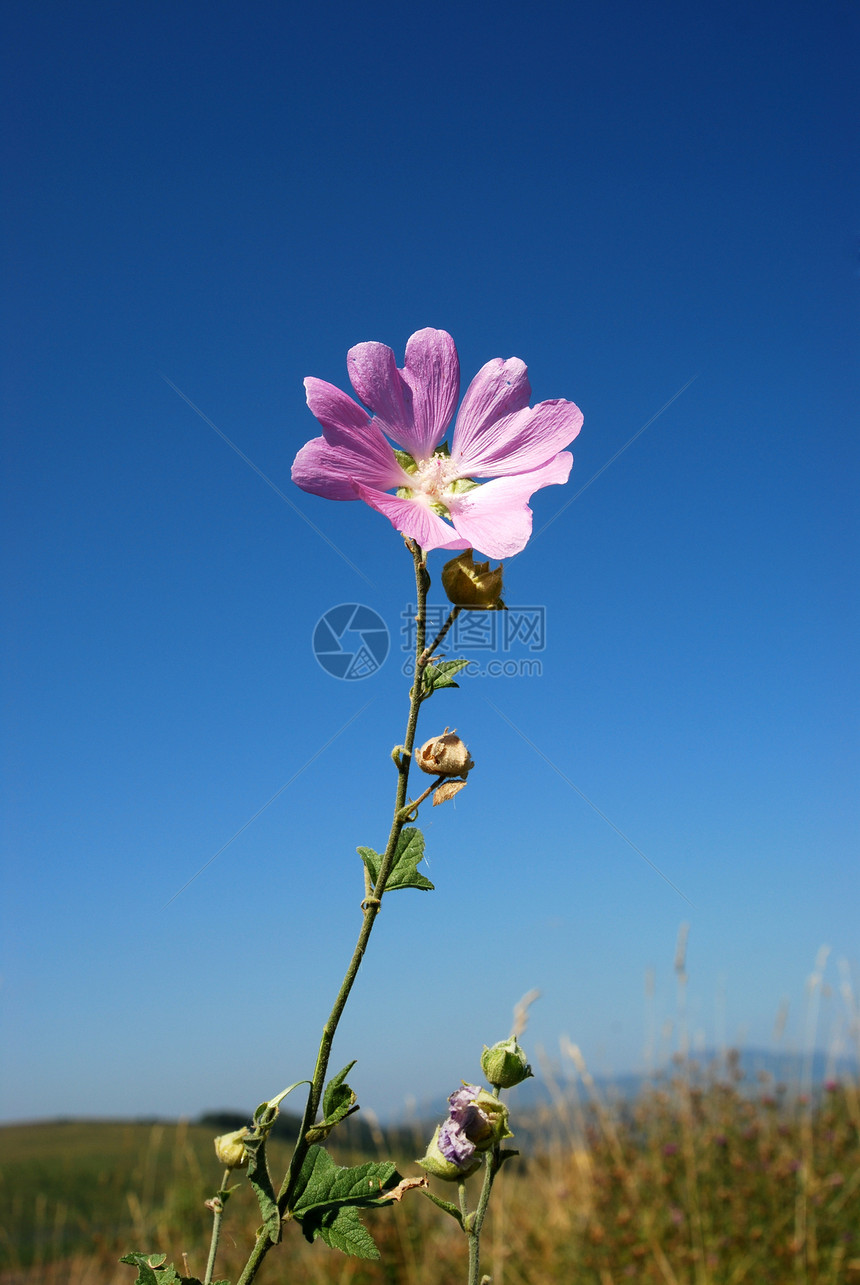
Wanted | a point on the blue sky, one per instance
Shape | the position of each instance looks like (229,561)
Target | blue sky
(227,198)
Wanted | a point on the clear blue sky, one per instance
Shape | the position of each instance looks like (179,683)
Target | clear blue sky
(231,196)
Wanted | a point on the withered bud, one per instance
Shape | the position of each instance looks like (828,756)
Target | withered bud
(472,584)
(446,791)
(437,1164)
(445,755)
(230,1149)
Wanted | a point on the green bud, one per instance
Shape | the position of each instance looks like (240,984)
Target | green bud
(505,1064)
(472,584)
(230,1149)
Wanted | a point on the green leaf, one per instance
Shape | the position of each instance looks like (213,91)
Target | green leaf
(328,1197)
(404,871)
(372,861)
(442,675)
(151,1270)
(338,1095)
(446,1205)
(342,1229)
(322,1182)
(338,1102)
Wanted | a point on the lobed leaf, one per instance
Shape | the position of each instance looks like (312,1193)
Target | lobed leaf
(442,675)
(404,871)
(328,1197)
(342,1229)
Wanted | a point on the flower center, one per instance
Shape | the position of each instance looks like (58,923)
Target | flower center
(433,481)
(432,478)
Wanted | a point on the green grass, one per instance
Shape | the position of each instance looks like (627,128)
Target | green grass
(695,1183)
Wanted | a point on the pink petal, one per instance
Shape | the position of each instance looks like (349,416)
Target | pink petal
(320,469)
(332,407)
(331,471)
(432,371)
(348,427)
(498,389)
(517,443)
(495,519)
(374,375)
(413,406)
(414,519)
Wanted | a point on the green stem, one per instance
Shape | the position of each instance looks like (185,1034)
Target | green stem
(410,809)
(476,1221)
(371,909)
(473,1229)
(217,1206)
(428,652)
(464,1208)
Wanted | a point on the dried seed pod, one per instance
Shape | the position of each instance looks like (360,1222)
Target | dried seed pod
(445,755)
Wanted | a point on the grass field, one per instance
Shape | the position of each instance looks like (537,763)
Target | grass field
(700,1181)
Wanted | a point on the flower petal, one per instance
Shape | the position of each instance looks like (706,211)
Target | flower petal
(374,375)
(454,1144)
(319,468)
(415,405)
(516,443)
(413,519)
(498,389)
(333,408)
(432,371)
(495,518)
(348,428)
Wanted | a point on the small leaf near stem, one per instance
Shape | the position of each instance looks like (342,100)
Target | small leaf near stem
(446,1205)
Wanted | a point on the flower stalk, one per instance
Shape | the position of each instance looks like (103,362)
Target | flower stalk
(470,496)
(216,1204)
(371,906)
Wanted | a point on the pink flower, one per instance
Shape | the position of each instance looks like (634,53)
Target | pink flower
(438,501)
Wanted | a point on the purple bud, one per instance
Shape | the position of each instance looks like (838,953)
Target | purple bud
(454,1144)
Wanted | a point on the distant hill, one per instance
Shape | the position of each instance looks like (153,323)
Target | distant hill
(750,1069)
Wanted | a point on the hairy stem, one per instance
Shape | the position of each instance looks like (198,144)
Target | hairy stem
(217,1207)
(371,907)
(428,652)
(476,1222)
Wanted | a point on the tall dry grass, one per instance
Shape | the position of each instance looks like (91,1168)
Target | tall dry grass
(701,1180)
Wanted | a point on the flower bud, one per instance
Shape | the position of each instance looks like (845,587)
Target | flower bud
(472,584)
(505,1064)
(493,1127)
(445,755)
(437,1164)
(230,1149)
